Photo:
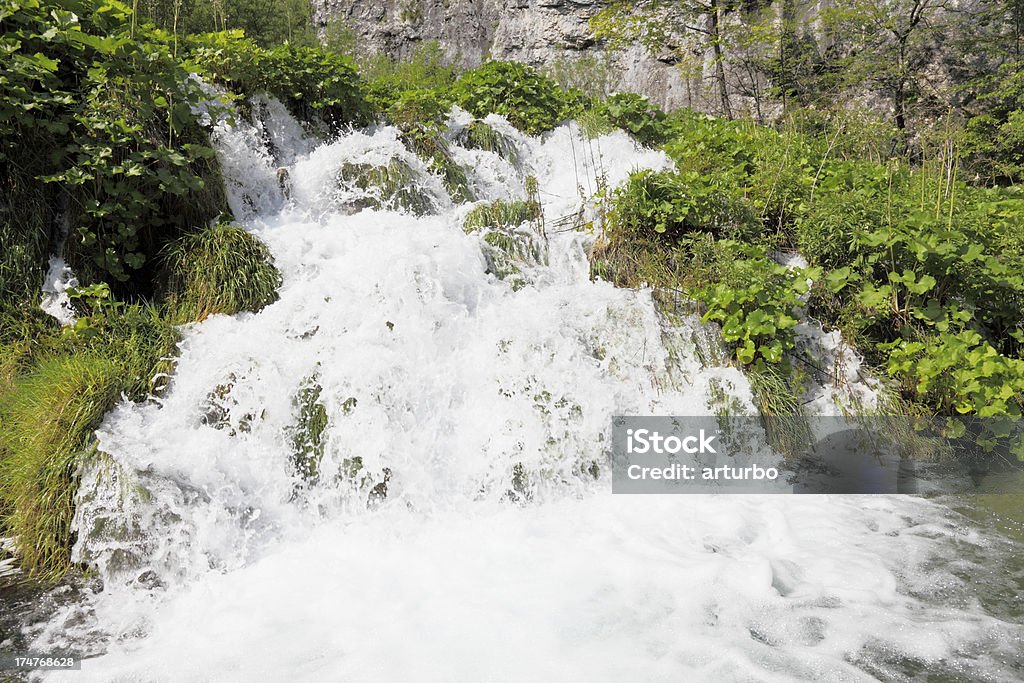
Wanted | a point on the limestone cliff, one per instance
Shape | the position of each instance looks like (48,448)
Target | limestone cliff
(553,34)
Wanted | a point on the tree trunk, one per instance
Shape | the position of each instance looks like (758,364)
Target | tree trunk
(716,46)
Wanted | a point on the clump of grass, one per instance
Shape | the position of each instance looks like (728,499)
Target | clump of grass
(480,135)
(46,426)
(220,269)
(392,185)
(25,333)
(500,214)
(433,149)
(593,124)
(782,415)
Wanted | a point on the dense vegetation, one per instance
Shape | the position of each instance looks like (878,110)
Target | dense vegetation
(913,227)
(921,271)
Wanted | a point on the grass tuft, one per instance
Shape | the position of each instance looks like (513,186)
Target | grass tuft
(480,135)
(221,269)
(500,214)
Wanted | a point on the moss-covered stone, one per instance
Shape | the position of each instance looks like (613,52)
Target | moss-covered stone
(307,435)
(391,186)
(434,149)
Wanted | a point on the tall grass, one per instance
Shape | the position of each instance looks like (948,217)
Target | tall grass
(46,425)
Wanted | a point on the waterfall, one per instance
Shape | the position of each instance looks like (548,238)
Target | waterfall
(457,523)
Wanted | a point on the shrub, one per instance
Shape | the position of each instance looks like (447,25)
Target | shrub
(637,116)
(670,205)
(850,197)
(316,85)
(419,110)
(755,302)
(959,373)
(529,100)
(426,69)
(115,144)
(221,269)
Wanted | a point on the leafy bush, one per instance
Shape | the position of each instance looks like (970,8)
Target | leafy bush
(316,85)
(416,110)
(774,170)
(851,197)
(994,141)
(670,205)
(637,116)
(115,144)
(529,100)
(932,288)
(222,269)
(755,302)
(426,69)
(959,372)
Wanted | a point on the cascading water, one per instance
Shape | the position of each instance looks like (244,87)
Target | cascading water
(457,523)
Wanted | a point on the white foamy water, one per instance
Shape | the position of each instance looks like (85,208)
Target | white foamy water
(461,525)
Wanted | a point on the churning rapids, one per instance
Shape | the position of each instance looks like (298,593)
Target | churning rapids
(479,539)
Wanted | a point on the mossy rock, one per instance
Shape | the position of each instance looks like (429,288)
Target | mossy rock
(506,251)
(393,185)
(434,149)
(307,434)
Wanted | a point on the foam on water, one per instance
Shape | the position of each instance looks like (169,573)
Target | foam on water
(478,538)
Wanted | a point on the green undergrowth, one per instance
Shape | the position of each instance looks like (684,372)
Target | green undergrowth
(91,139)
(47,428)
(57,384)
(921,271)
(317,85)
(530,101)
(55,388)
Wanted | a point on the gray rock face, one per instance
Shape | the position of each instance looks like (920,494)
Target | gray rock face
(555,35)
(550,34)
